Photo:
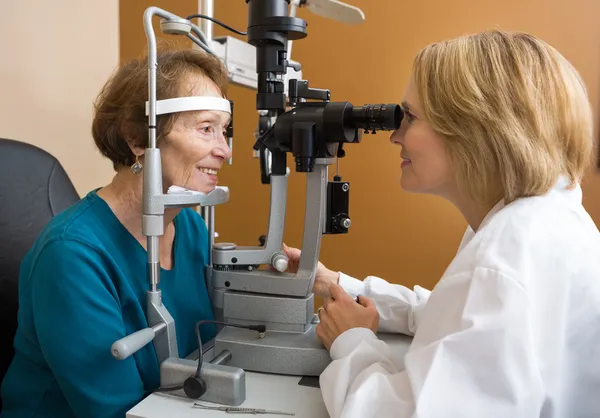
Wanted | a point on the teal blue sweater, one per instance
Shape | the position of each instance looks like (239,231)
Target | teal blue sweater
(83,286)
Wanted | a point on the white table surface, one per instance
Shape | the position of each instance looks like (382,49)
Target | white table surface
(264,391)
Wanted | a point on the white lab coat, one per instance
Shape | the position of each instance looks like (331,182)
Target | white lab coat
(511,330)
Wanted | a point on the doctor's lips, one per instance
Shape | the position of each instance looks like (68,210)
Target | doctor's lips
(405,160)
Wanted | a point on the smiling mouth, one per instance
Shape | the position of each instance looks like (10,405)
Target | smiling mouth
(210,171)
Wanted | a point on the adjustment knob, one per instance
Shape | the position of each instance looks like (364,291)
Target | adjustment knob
(280,262)
(342,222)
(346,223)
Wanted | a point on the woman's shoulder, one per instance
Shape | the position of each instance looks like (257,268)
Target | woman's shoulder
(77,228)
(558,215)
(76,221)
(531,233)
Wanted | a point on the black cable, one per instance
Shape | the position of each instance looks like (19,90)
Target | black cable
(212,19)
(258,328)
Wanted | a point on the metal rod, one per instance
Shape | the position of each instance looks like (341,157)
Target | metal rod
(314,222)
(230,143)
(292,13)
(151,37)
(211,230)
(204,213)
(153,262)
(201,37)
(199,43)
(206,8)
(159,328)
(208,213)
(152,181)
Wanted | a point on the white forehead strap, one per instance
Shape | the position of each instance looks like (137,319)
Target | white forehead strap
(185,104)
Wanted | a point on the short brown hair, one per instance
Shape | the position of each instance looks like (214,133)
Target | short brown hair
(120,109)
(514,112)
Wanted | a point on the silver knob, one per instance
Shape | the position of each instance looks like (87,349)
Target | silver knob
(280,262)
(346,223)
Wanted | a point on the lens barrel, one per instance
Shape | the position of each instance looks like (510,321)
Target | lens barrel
(378,117)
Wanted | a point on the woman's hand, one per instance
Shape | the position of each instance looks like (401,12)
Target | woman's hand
(324,279)
(341,313)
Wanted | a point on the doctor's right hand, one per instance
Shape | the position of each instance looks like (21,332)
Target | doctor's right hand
(324,279)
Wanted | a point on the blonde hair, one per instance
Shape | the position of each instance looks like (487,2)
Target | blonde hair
(514,112)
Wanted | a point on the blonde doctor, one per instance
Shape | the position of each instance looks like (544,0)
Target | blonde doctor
(500,125)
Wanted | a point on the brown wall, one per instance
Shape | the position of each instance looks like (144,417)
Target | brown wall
(404,238)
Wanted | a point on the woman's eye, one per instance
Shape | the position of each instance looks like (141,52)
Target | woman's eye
(211,130)
(409,116)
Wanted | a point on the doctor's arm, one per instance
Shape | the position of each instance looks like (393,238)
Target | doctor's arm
(471,357)
(399,307)
(77,318)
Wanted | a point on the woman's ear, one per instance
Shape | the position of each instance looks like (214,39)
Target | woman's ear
(132,138)
(137,151)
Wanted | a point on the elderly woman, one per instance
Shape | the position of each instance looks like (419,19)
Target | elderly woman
(83,284)
(500,125)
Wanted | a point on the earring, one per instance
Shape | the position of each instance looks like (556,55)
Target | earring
(137,167)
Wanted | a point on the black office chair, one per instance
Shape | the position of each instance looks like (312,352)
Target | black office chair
(33,188)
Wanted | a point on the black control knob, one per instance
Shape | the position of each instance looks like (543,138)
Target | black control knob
(194,387)
(338,195)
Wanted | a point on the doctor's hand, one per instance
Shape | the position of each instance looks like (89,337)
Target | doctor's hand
(341,313)
(324,279)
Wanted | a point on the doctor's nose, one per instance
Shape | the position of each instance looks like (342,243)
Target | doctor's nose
(396,136)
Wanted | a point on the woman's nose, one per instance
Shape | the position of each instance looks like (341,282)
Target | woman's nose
(222,150)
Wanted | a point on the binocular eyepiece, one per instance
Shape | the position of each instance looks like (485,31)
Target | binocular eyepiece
(377,117)
(314,130)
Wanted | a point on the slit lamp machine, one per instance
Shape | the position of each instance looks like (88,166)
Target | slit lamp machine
(266,321)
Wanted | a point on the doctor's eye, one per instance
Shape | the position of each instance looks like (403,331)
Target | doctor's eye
(409,117)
